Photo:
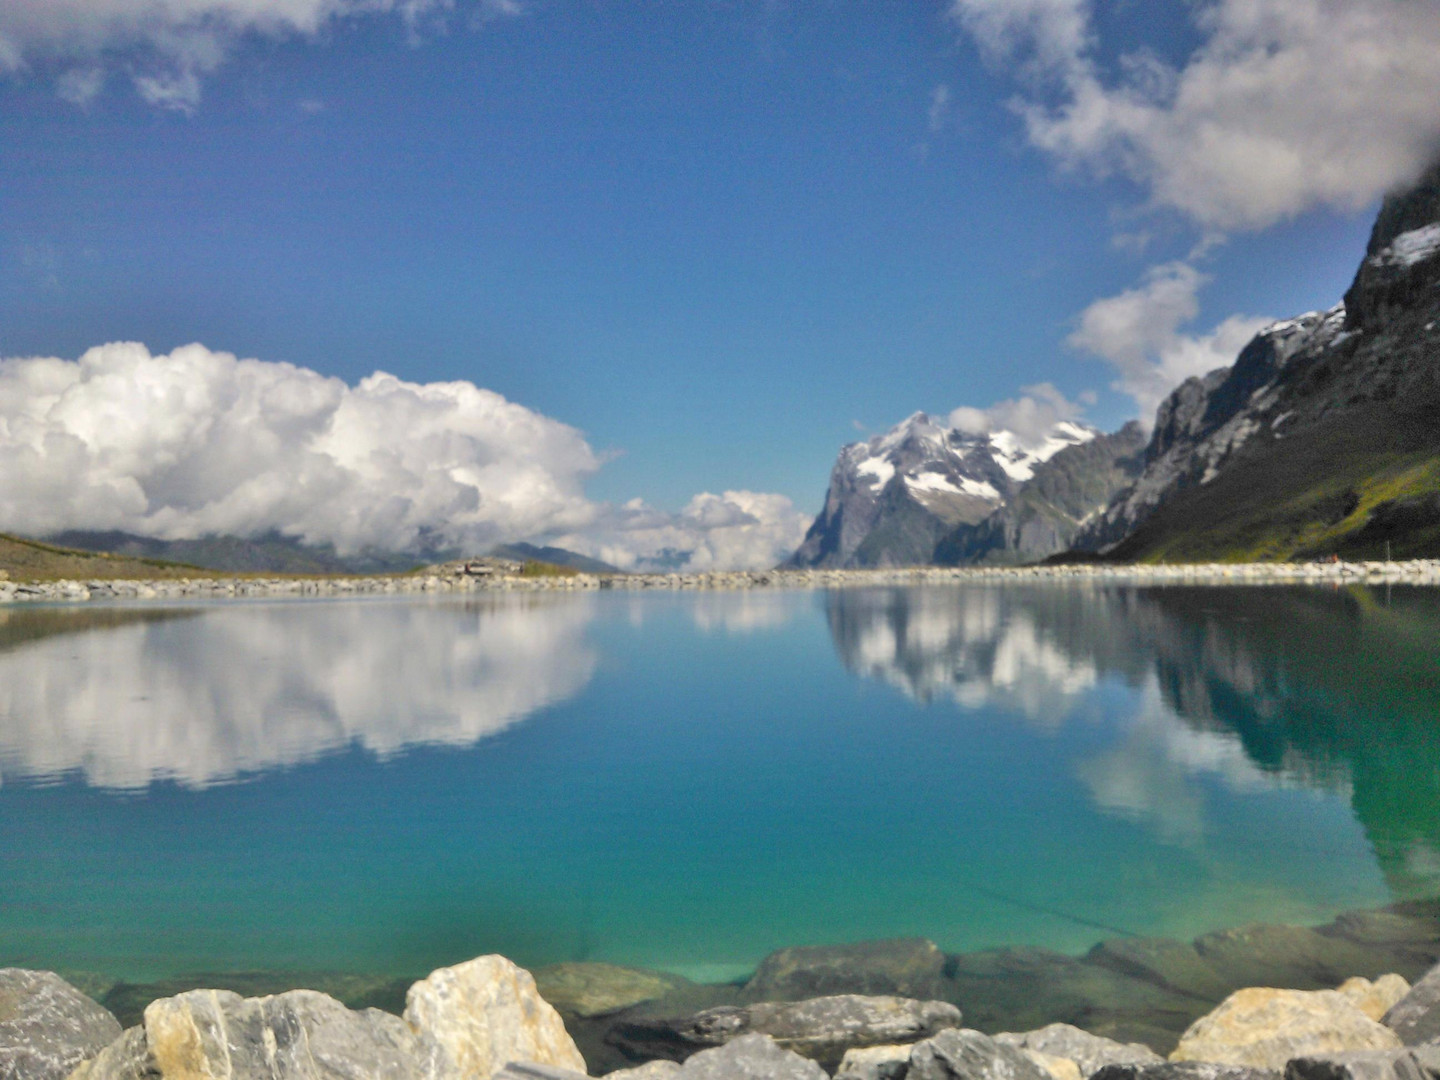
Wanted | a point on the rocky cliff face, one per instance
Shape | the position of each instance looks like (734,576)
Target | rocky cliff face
(1321,437)
(1046,513)
(893,498)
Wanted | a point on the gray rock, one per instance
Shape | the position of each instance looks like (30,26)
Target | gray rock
(1416,1016)
(908,967)
(1184,1070)
(964,1054)
(1412,1063)
(875,1063)
(820,1028)
(300,1035)
(750,1057)
(1089,1052)
(47,1027)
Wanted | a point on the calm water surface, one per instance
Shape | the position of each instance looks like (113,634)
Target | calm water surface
(688,781)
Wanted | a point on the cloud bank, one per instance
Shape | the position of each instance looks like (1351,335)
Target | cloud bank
(168,46)
(1032,416)
(1286,105)
(199,442)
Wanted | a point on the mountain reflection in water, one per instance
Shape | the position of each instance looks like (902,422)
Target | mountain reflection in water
(1324,689)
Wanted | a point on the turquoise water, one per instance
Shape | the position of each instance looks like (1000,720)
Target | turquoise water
(688,781)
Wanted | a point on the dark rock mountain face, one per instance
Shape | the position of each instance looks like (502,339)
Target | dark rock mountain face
(1324,436)
(1047,512)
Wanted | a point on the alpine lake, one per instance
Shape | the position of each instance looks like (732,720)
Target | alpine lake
(347,794)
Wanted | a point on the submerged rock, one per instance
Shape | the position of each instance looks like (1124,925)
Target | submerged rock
(1411,1063)
(586,989)
(299,1035)
(47,1027)
(750,1057)
(1264,954)
(821,1028)
(1027,987)
(1415,1018)
(965,1054)
(907,967)
(1089,1052)
(1376,998)
(1175,965)
(1264,1028)
(472,1019)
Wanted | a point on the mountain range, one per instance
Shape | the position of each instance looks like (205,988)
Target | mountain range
(1322,438)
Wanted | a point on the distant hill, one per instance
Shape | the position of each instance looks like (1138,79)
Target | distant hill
(32,560)
(554,556)
(1323,437)
(270,553)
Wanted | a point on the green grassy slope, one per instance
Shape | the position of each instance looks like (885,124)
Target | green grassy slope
(1309,495)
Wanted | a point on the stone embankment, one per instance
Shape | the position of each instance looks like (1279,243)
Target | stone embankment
(486,1019)
(448,580)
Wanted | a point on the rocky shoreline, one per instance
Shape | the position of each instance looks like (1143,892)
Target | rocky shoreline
(1334,1002)
(447,580)
(858,1012)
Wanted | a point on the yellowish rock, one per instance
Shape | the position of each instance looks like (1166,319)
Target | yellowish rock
(1374,999)
(1264,1028)
(1061,1068)
(470,1020)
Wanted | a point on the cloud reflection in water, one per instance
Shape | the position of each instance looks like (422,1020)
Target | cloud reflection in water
(212,695)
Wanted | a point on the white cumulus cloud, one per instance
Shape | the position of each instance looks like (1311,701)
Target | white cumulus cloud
(169,46)
(1285,105)
(744,530)
(197,442)
(1139,333)
(1032,416)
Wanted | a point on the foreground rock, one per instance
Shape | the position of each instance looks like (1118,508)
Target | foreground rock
(905,967)
(1411,1063)
(890,1062)
(1090,1053)
(969,1055)
(47,1027)
(462,1023)
(299,1035)
(1264,1028)
(473,1018)
(1415,1018)
(1376,998)
(821,1028)
(587,989)
(750,1057)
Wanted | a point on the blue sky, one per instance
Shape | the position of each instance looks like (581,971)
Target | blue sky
(719,238)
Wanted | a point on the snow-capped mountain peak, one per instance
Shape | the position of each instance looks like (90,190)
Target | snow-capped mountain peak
(929,474)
